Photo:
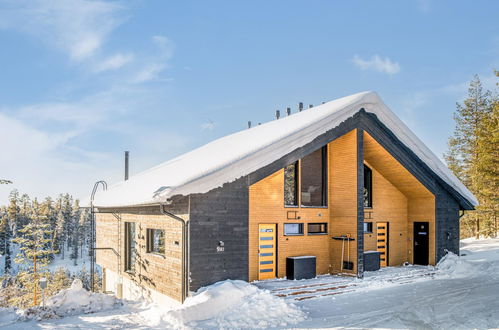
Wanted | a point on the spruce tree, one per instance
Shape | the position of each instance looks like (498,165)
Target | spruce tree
(5,238)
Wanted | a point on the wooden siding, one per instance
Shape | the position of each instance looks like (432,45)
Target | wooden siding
(343,198)
(266,205)
(162,273)
(400,199)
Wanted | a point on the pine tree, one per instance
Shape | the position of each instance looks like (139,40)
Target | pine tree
(34,255)
(472,156)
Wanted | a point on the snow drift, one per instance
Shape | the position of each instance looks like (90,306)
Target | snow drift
(234,305)
(77,300)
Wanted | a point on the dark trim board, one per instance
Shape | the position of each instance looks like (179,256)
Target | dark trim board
(360,203)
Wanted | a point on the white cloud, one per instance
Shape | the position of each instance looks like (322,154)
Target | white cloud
(114,62)
(208,126)
(376,63)
(156,63)
(76,27)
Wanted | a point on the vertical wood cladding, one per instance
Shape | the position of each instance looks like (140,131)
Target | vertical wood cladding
(220,215)
(162,273)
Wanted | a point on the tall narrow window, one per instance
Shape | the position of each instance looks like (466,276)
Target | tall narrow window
(129,246)
(291,185)
(368,187)
(314,178)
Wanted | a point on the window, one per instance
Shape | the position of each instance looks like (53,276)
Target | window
(156,241)
(129,246)
(291,229)
(368,227)
(291,185)
(317,228)
(314,178)
(368,187)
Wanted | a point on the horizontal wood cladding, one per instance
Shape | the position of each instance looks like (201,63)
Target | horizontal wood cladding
(399,199)
(389,205)
(162,273)
(343,199)
(266,205)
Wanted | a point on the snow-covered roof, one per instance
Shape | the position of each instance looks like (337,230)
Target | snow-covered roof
(239,154)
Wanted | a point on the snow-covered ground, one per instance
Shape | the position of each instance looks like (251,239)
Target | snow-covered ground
(460,293)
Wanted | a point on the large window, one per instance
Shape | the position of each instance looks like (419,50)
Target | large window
(156,241)
(293,229)
(368,187)
(130,246)
(314,178)
(291,185)
(317,228)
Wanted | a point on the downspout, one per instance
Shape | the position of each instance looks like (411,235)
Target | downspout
(185,251)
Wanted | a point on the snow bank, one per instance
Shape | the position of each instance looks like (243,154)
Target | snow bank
(7,316)
(451,265)
(234,304)
(72,301)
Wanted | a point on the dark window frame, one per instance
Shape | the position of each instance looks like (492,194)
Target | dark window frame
(296,185)
(368,224)
(324,180)
(130,247)
(368,187)
(325,232)
(300,226)
(150,242)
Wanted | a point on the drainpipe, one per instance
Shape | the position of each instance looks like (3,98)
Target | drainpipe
(185,251)
(92,234)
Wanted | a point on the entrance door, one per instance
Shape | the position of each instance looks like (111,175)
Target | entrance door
(421,243)
(267,251)
(382,242)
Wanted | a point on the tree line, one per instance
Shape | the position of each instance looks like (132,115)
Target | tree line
(61,224)
(473,156)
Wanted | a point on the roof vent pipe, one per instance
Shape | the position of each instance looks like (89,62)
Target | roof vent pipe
(300,106)
(288,111)
(249,123)
(277,114)
(127,153)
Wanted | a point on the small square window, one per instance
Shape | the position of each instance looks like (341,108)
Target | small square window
(368,227)
(291,229)
(317,228)
(156,241)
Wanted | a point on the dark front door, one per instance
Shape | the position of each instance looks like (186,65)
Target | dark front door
(421,243)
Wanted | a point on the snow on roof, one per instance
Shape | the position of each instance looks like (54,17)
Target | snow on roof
(239,154)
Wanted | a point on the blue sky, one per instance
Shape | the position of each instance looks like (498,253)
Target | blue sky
(82,81)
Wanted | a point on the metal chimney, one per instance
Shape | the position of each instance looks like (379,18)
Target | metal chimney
(277,114)
(127,153)
(300,106)
(249,123)
(288,111)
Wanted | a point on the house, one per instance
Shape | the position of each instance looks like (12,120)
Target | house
(237,207)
